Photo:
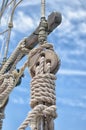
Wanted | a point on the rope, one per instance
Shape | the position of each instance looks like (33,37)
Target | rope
(10,25)
(5,4)
(42,8)
(4,68)
(1,118)
(19,49)
(23,50)
(15,62)
(7,83)
(10,3)
(18,75)
(43,99)
(4,31)
(37,51)
(39,110)
(1,10)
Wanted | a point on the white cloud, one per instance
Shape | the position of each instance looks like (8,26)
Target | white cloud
(30,2)
(71,33)
(77,52)
(70,29)
(65,27)
(19,100)
(80,13)
(23,22)
(71,12)
(82,29)
(71,102)
(72,72)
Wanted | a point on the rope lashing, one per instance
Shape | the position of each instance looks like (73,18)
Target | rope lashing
(10,25)
(43,99)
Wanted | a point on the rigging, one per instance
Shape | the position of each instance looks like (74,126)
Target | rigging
(7,32)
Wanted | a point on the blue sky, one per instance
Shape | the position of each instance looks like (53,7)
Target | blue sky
(69,41)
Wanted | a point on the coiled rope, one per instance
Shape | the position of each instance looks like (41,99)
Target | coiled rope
(43,99)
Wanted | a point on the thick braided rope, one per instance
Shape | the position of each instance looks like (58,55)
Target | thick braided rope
(5,88)
(14,54)
(16,61)
(1,119)
(38,111)
(9,61)
(42,91)
(3,85)
(9,84)
(46,95)
(18,75)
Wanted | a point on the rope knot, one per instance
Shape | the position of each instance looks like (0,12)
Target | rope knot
(6,85)
(23,47)
(39,111)
(10,25)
